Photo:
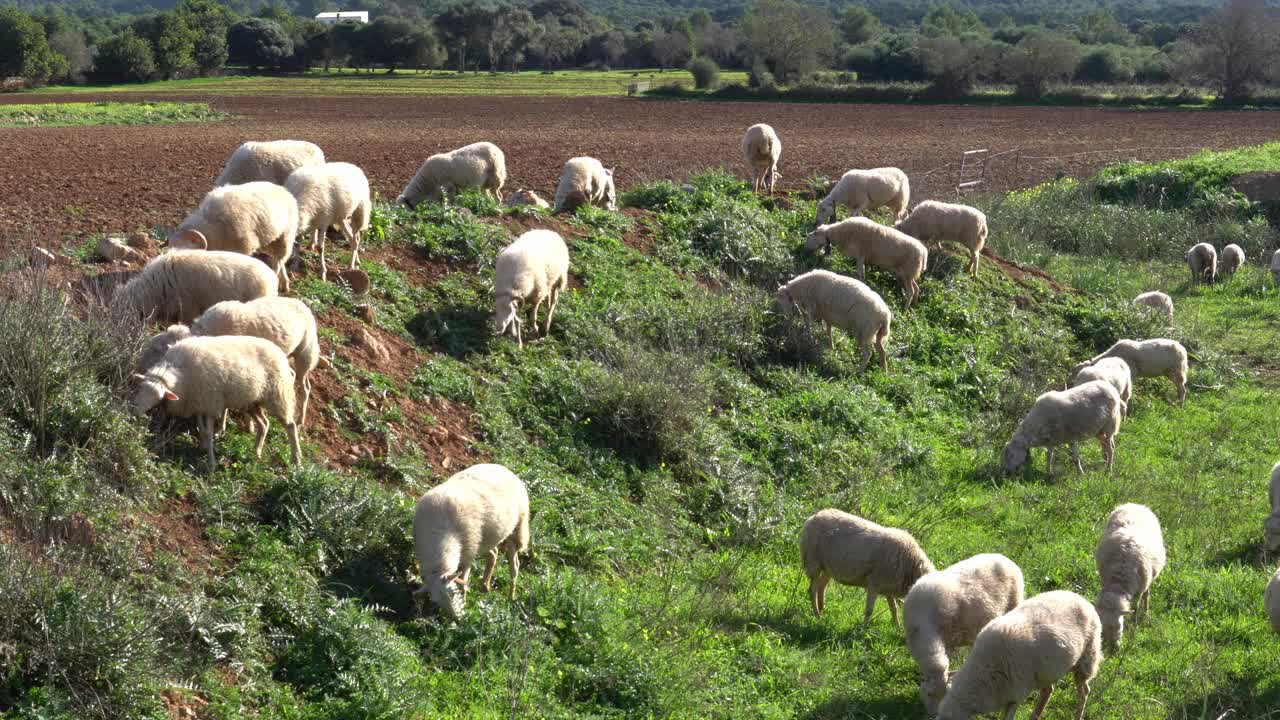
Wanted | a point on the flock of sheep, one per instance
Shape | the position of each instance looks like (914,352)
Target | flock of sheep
(236,345)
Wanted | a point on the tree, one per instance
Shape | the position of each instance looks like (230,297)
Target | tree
(1237,48)
(606,48)
(426,51)
(718,42)
(125,56)
(172,43)
(793,38)
(71,45)
(955,64)
(1101,28)
(464,25)
(706,74)
(513,28)
(259,43)
(1039,60)
(946,21)
(670,49)
(699,19)
(859,25)
(1105,64)
(209,20)
(556,42)
(24,51)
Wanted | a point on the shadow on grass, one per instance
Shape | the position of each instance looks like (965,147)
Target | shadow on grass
(840,707)
(1240,699)
(458,331)
(1248,554)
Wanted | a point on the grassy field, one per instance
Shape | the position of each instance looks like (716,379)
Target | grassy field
(105,113)
(407,82)
(674,432)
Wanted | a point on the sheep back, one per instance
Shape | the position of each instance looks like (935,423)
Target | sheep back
(212,374)
(286,322)
(329,194)
(179,285)
(1158,301)
(271,161)
(527,269)
(1203,261)
(478,165)
(839,301)
(862,190)
(1129,557)
(856,551)
(1112,370)
(1230,260)
(1148,358)
(242,218)
(937,221)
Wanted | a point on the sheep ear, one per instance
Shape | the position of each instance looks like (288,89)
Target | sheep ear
(189,238)
(170,396)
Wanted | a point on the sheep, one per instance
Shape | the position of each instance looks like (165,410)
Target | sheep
(1271,525)
(854,551)
(271,161)
(1271,601)
(1275,267)
(1130,556)
(1158,301)
(256,216)
(839,301)
(179,285)
(862,190)
(944,611)
(1149,358)
(532,270)
(478,165)
(1113,370)
(1027,649)
(1203,261)
(761,149)
(473,513)
(1231,259)
(585,181)
(527,197)
(1093,409)
(332,195)
(206,376)
(867,241)
(933,221)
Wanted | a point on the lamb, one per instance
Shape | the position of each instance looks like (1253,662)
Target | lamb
(473,513)
(1158,301)
(1275,267)
(1114,371)
(1271,525)
(862,190)
(204,377)
(532,270)
(1271,601)
(839,301)
(1130,556)
(1093,409)
(761,149)
(1232,259)
(256,216)
(854,551)
(1203,261)
(867,241)
(527,197)
(179,285)
(933,221)
(1028,649)
(478,165)
(585,181)
(1149,358)
(332,195)
(945,610)
(271,162)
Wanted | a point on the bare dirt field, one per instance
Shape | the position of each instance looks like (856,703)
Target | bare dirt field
(60,183)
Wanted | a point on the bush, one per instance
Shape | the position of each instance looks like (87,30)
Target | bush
(761,78)
(706,73)
(1105,65)
(259,43)
(125,56)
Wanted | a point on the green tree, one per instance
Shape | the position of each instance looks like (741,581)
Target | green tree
(209,20)
(793,38)
(947,21)
(1038,60)
(1238,48)
(1105,64)
(125,55)
(859,25)
(73,47)
(24,50)
(512,29)
(1100,27)
(427,53)
(955,64)
(670,49)
(172,42)
(556,42)
(388,42)
(259,43)
(463,26)
(706,74)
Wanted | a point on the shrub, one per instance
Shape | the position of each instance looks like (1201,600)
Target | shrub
(761,78)
(125,56)
(706,73)
(1105,64)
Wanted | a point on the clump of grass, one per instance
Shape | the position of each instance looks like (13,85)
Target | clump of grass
(105,113)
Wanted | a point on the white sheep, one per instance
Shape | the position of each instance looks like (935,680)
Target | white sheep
(471,514)
(1231,259)
(204,377)
(761,149)
(332,195)
(271,161)
(1113,370)
(1203,261)
(1158,301)
(527,197)
(867,241)
(945,610)
(1271,526)
(478,165)
(250,218)
(863,190)
(1271,601)
(585,181)
(1129,557)
(1149,358)
(839,301)
(530,271)
(180,284)
(835,545)
(1275,267)
(933,221)
(1093,409)
(1027,649)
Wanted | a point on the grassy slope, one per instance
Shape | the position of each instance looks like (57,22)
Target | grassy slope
(674,434)
(103,113)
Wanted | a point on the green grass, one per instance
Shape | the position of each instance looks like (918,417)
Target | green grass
(561,83)
(105,113)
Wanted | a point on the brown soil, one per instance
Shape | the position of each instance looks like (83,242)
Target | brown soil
(178,531)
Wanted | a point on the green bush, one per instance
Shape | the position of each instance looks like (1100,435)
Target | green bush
(705,71)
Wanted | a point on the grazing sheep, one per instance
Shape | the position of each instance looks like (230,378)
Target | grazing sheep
(478,165)
(933,221)
(1093,409)
(1027,649)
(853,551)
(1231,259)
(1271,525)
(1113,370)
(863,190)
(867,241)
(114,248)
(250,218)
(1275,267)
(1158,301)
(532,270)
(585,181)
(271,161)
(1271,601)
(204,377)
(1203,261)
(1130,556)
(332,195)
(839,301)
(180,284)
(527,197)
(473,513)
(1149,358)
(945,610)
(761,149)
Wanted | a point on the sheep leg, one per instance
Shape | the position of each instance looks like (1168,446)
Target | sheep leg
(551,309)
(1082,692)
(486,583)
(353,237)
(871,605)
(324,261)
(862,269)
(306,398)
(223,429)
(1048,461)
(893,609)
(1010,711)
(262,425)
(206,433)
(1108,449)
(831,336)
(818,592)
(973,263)
(513,559)
(1075,457)
(284,277)
(866,359)
(295,448)
(884,358)
(1040,704)
(533,316)
(1179,382)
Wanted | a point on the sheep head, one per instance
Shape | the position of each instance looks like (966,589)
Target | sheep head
(820,238)
(1016,454)
(1112,608)
(447,591)
(826,211)
(933,688)
(506,315)
(152,390)
(1271,526)
(188,240)
(785,301)
(160,344)
(610,192)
